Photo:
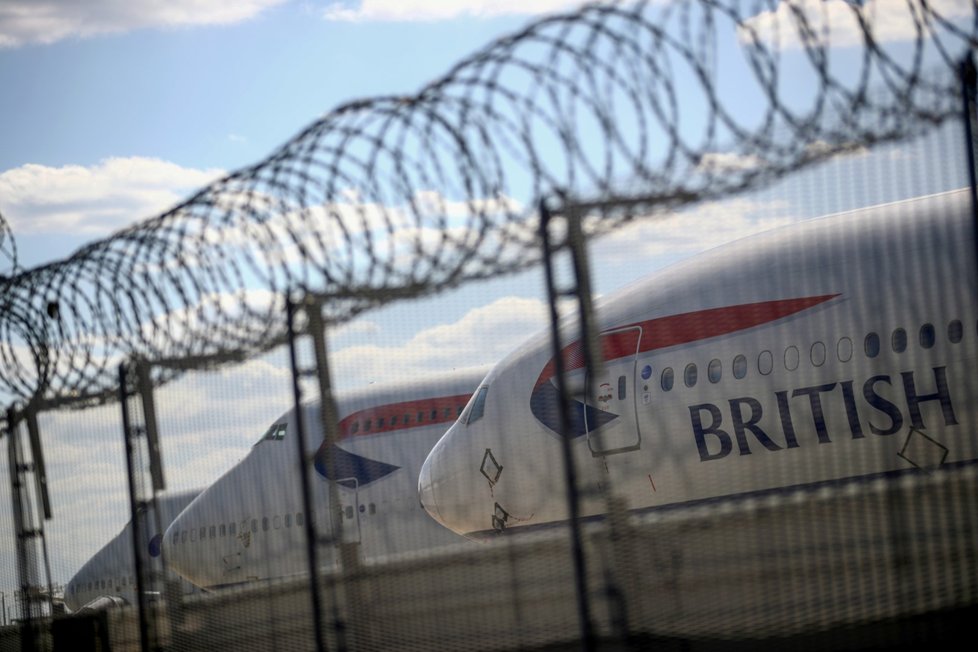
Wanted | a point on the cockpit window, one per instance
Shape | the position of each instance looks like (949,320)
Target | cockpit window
(477,407)
(275,433)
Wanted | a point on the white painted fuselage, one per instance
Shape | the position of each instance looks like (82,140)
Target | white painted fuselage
(829,352)
(251,523)
(110,573)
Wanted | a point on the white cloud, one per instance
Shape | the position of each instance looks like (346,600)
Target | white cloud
(226,310)
(691,231)
(818,148)
(481,337)
(430,10)
(715,162)
(95,200)
(47,21)
(836,20)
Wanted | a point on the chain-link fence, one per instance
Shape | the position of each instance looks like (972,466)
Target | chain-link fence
(766,444)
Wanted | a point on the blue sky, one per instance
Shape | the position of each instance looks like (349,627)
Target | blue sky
(111,115)
(203,98)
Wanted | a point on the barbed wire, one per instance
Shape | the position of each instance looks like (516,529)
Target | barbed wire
(625,109)
(8,250)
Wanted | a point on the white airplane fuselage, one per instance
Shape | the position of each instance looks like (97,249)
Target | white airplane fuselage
(110,573)
(834,351)
(250,524)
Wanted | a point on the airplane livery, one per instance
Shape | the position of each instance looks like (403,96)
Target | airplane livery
(108,579)
(249,525)
(831,352)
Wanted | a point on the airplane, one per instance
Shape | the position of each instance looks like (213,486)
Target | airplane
(835,352)
(248,526)
(108,579)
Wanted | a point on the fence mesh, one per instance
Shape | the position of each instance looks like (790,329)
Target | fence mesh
(621,115)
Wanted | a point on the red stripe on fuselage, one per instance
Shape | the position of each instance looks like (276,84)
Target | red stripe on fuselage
(672,330)
(404,415)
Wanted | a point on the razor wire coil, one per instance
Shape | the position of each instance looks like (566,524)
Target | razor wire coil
(619,108)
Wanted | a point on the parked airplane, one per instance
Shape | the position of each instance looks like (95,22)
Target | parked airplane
(825,353)
(108,579)
(249,524)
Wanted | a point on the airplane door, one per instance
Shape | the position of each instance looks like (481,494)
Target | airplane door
(350,508)
(611,412)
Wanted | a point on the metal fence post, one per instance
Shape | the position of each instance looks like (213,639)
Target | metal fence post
(136,376)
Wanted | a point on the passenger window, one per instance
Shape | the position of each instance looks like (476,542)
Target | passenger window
(366,424)
(478,405)
(276,521)
(714,370)
(872,345)
(193,534)
(791,358)
(213,532)
(380,422)
(817,354)
(844,349)
(223,530)
(955,331)
(420,417)
(621,388)
(927,336)
(667,379)
(288,520)
(298,519)
(899,340)
(176,538)
(203,532)
(183,536)
(434,414)
(232,528)
(765,362)
(373,508)
(264,524)
(394,420)
(447,414)
(739,367)
(689,375)
(254,525)
(355,428)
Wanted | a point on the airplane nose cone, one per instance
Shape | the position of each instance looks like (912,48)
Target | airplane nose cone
(426,487)
(445,485)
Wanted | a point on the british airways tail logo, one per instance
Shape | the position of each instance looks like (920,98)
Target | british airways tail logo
(651,335)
